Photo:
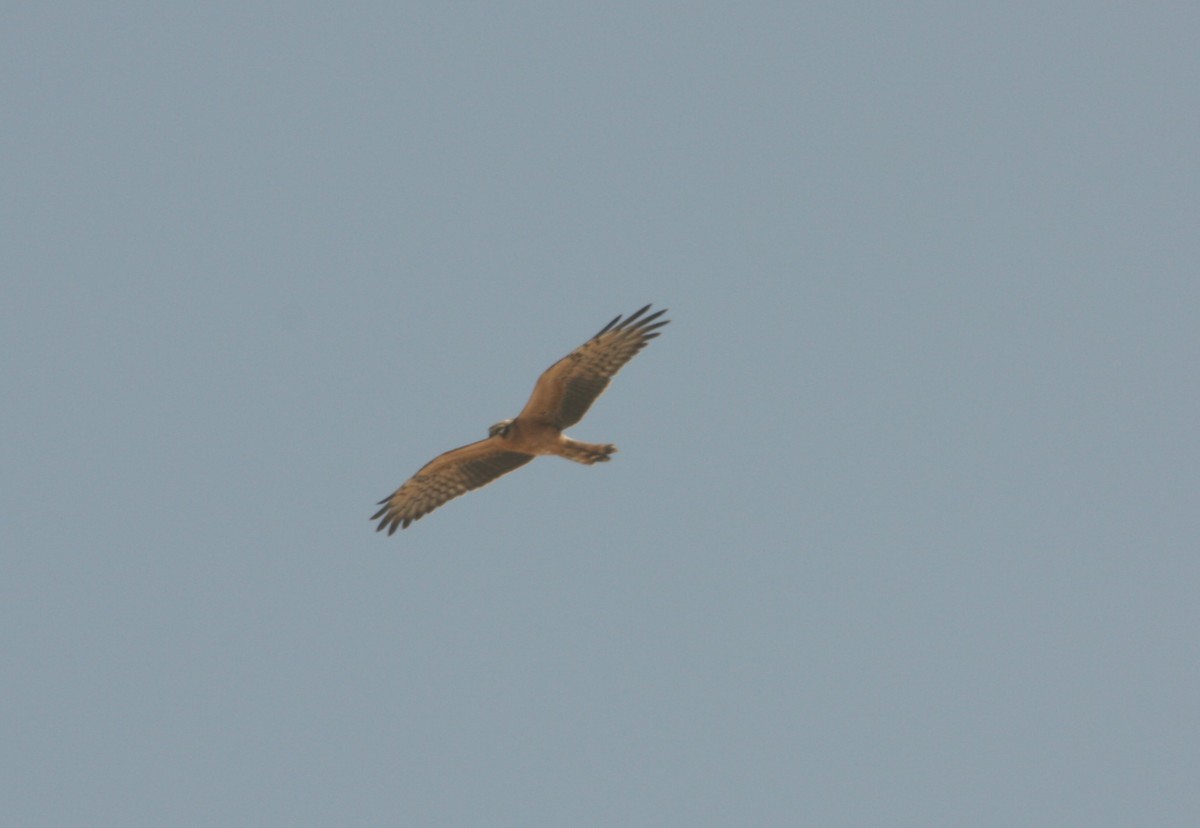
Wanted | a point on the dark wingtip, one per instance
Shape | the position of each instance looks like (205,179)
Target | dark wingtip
(627,323)
(637,313)
(607,327)
(651,317)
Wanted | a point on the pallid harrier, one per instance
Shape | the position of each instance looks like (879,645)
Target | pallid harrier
(561,397)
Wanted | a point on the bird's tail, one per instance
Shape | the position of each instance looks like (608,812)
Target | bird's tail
(586,453)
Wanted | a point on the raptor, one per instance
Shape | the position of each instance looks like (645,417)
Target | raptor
(563,394)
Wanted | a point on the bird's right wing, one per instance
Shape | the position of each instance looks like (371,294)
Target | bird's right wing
(446,477)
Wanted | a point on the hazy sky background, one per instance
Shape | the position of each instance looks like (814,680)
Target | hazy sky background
(903,530)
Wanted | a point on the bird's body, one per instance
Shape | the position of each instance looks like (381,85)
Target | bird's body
(561,397)
(538,437)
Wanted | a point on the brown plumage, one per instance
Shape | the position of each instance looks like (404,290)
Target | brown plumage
(562,395)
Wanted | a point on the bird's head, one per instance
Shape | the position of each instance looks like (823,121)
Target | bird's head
(500,429)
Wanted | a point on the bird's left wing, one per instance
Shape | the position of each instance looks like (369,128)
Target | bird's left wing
(567,389)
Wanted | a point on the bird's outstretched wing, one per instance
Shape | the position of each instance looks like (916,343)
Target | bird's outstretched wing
(566,389)
(446,477)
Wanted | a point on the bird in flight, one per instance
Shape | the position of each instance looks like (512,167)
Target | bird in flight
(561,397)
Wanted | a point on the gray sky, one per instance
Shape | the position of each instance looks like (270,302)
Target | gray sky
(903,530)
